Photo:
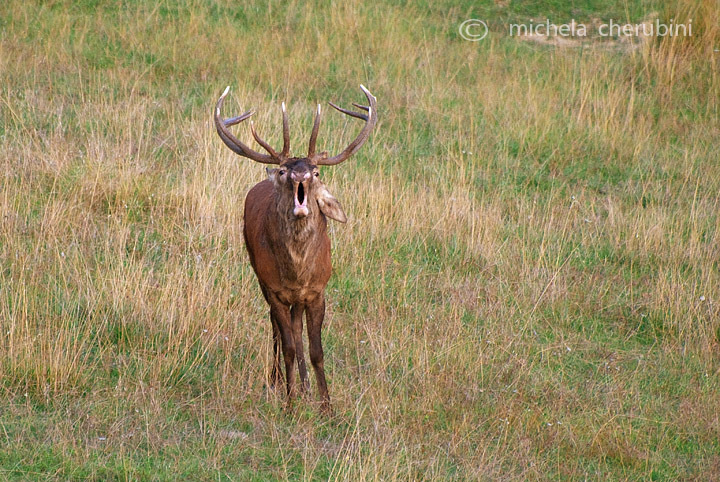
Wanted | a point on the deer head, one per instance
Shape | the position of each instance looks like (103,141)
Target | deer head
(298,188)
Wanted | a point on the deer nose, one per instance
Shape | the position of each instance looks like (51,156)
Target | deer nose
(300,176)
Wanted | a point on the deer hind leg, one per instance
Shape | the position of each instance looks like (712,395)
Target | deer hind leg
(296,316)
(315,317)
(275,373)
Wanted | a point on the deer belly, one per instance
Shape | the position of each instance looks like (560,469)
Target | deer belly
(302,296)
(302,285)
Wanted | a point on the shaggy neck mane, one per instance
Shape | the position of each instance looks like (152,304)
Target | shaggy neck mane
(299,232)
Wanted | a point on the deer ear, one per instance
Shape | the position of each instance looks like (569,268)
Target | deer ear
(272,174)
(330,206)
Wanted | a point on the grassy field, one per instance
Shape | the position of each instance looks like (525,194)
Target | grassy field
(528,287)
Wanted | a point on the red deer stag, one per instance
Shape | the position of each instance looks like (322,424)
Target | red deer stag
(286,237)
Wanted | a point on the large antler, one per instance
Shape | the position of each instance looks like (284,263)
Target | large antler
(238,147)
(273,157)
(370,120)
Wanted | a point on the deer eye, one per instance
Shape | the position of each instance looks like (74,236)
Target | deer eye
(317,174)
(281,172)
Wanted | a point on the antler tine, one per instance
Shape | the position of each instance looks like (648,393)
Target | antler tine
(370,121)
(236,120)
(231,141)
(357,115)
(314,133)
(264,144)
(286,133)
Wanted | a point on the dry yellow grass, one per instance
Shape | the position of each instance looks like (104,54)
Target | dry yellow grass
(527,287)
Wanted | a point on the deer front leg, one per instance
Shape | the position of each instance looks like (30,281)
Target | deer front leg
(281,314)
(296,314)
(315,316)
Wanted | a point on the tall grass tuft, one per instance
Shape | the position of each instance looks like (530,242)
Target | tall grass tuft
(675,57)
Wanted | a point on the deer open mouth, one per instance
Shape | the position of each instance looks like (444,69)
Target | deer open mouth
(301,208)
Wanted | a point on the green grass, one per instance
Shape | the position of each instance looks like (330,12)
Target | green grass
(527,287)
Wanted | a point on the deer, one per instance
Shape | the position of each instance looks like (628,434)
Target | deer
(285,233)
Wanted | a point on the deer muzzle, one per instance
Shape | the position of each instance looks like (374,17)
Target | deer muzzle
(301,206)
